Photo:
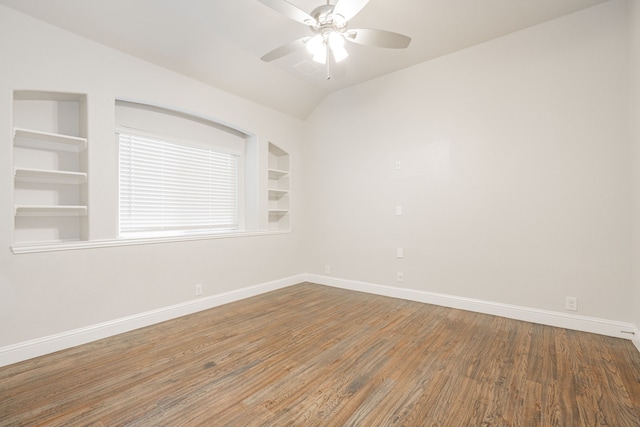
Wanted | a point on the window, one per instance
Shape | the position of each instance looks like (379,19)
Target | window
(172,188)
(178,174)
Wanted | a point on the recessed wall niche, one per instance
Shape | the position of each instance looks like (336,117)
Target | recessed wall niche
(50,167)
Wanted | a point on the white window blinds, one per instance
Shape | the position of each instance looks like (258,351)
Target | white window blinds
(174,188)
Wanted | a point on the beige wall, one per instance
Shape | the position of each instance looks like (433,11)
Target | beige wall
(47,293)
(515,173)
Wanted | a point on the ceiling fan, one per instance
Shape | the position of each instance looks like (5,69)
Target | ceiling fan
(329,25)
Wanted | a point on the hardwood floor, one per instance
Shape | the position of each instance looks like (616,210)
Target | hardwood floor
(311,355)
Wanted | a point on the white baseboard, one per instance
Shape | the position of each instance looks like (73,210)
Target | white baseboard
(636,338)
(49,344)
(546,317)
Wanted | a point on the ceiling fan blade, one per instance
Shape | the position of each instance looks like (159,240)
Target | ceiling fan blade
(286,49)
(290,11)
(379,38)
(349,8)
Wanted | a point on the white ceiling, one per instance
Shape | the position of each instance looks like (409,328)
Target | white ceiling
(220,42)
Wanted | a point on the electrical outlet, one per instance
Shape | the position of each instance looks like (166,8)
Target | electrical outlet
(398,164)
(400,277)
(571,303)
(327,269)
(399,210)
(199,289)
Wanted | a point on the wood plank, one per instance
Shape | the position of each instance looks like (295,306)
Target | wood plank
(313,355)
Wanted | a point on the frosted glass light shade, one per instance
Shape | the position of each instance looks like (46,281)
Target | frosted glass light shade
(335,40)
(339,53)
(336,43)
(321,56)
(315,45)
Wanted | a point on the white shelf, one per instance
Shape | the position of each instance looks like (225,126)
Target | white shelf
(279,203)
(278,212)
(48,141)
(277,174)
(49,176)
(53,210)
(276,193)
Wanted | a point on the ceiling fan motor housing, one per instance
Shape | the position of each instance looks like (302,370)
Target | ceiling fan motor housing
(327,21)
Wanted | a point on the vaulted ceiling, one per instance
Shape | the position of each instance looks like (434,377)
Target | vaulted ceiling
(220,42)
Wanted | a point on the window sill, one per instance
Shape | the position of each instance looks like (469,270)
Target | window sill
(92,244)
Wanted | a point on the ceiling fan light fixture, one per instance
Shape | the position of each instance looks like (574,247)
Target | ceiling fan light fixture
(315,45)
(336,43)
(336,40)
(339,53)
(320,57)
